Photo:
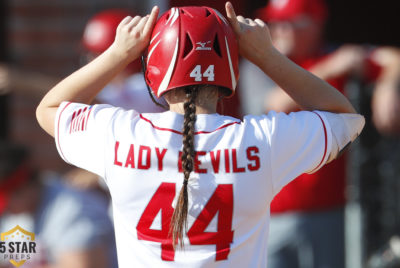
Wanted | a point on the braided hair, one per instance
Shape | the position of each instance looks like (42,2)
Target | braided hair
(179,217)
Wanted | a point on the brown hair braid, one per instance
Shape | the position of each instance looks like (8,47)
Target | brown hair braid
(179,218)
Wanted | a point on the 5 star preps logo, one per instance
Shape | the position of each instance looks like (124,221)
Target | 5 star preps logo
(17,246)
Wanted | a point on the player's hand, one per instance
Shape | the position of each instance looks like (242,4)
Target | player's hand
(133,35)
(253,36)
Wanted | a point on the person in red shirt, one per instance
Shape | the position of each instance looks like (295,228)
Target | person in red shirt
(307,216)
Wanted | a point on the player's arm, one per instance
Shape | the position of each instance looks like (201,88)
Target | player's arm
(309,91)
(132,37)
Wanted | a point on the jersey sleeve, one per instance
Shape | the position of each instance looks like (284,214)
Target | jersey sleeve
(300,143)
(80,134)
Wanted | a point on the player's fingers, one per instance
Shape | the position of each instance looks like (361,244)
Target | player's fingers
(133,22)
(241,20)
(260,22)
(250,22)
(148,28)
(142,23)
(124,22)
(230,13)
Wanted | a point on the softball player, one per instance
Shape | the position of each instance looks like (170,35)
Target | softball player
(190,178)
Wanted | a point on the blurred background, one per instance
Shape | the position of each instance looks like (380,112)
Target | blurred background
(41,42)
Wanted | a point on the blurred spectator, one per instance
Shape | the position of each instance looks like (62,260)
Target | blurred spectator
(380,66)
(307,216)
(297,29)
(72,227)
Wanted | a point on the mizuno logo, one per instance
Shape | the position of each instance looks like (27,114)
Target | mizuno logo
(202,45)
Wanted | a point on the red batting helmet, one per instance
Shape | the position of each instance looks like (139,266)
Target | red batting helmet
(190,46)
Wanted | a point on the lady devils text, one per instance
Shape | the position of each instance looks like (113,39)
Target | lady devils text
(221,160)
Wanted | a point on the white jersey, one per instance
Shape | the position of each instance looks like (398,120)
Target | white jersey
(239,167)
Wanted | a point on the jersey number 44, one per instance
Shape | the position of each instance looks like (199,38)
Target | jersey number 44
(220,202)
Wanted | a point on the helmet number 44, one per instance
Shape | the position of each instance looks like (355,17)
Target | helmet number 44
(198,75)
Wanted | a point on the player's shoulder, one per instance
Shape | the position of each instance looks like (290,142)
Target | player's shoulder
(107,111)
(273,115)
(270,121)
(263,118)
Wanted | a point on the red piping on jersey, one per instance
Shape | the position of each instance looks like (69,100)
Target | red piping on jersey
(326,143)
(221,127)
(159,128)
(83,119)
(180,133)
(87,118)
(58,129)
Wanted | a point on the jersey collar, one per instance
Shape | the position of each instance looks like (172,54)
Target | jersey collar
(173,122)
